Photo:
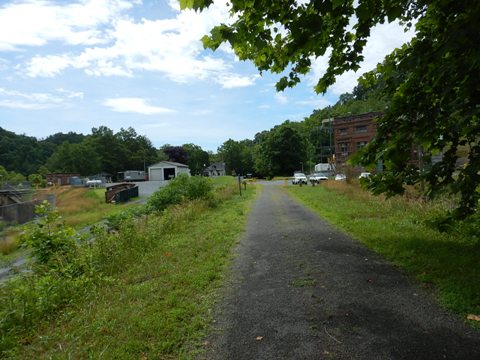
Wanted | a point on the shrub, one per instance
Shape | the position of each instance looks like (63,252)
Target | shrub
(180,189)
(61,272)
(115,221)
(49,238)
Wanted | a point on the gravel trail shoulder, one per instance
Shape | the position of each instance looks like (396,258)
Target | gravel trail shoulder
(300,289)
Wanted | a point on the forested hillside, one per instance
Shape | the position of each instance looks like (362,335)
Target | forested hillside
(292,145)
(101,151)
(279,151)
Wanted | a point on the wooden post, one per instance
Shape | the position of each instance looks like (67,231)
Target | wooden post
(240,185)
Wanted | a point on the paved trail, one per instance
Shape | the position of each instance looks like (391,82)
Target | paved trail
(302,290)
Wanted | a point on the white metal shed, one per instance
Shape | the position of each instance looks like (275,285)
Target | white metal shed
(166,170)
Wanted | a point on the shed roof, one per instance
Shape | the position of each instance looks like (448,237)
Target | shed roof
(168,163)
(216,166)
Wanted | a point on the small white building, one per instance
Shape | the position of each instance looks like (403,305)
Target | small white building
(166,170)
(215,169)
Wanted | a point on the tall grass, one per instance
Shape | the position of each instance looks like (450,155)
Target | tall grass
(401,229)
(7,245)
(81,206)
(154,279)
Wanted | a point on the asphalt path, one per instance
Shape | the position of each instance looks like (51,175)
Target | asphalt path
(300,289)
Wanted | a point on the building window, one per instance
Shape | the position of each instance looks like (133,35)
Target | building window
(343,131)
(343,147)
(361,129)
(361,144)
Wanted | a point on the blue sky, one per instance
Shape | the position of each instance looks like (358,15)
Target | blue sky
(73,65)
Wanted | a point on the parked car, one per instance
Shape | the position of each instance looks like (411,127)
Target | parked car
(364,175)
(299,178)
(340,177)
(317,177)
(93,183)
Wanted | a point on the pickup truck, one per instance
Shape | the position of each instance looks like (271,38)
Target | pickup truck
(299,178)
(317,177)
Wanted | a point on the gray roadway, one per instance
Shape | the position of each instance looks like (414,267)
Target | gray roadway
(300,289)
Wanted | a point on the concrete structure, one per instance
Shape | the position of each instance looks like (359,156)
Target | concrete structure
(215,169)
(166,170)
(352,132)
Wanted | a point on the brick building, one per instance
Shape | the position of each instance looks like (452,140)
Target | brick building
(351,133)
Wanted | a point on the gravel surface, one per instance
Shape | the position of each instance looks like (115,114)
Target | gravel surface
(299,289)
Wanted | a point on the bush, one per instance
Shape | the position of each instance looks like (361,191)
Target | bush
(115,221)
(49,238)
(61,272)
(182,188)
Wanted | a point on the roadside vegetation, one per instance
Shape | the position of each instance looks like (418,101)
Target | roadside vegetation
(142,290)
(78,207)
(407,232)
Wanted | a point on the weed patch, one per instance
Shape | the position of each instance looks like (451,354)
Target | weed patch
(8,245)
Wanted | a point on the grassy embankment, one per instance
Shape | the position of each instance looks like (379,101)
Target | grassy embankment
(79,207)
(161,288)
(398,229)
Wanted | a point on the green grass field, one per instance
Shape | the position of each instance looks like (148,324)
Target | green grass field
(398,229)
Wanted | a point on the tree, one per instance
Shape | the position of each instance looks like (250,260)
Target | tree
(281,34)
(197,158)
(281,151)
(43,171)
(175,153)
(3,175)
(113,155)
(237,156)
(37,180)
(22,154)
(138,149)
(432,82)
(60,138)
(75,158)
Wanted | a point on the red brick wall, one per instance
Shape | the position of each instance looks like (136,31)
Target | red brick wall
(352,132)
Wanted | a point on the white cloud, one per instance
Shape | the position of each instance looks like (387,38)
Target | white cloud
(16,104)
(154,126)
(315,102)
(201,112)
(135,105)
(20,100)
(170,46)
(37,22)
(70,94)
(47,66)
(4,63)
(230,81)
(383,40)
(281,98)
(174,4)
